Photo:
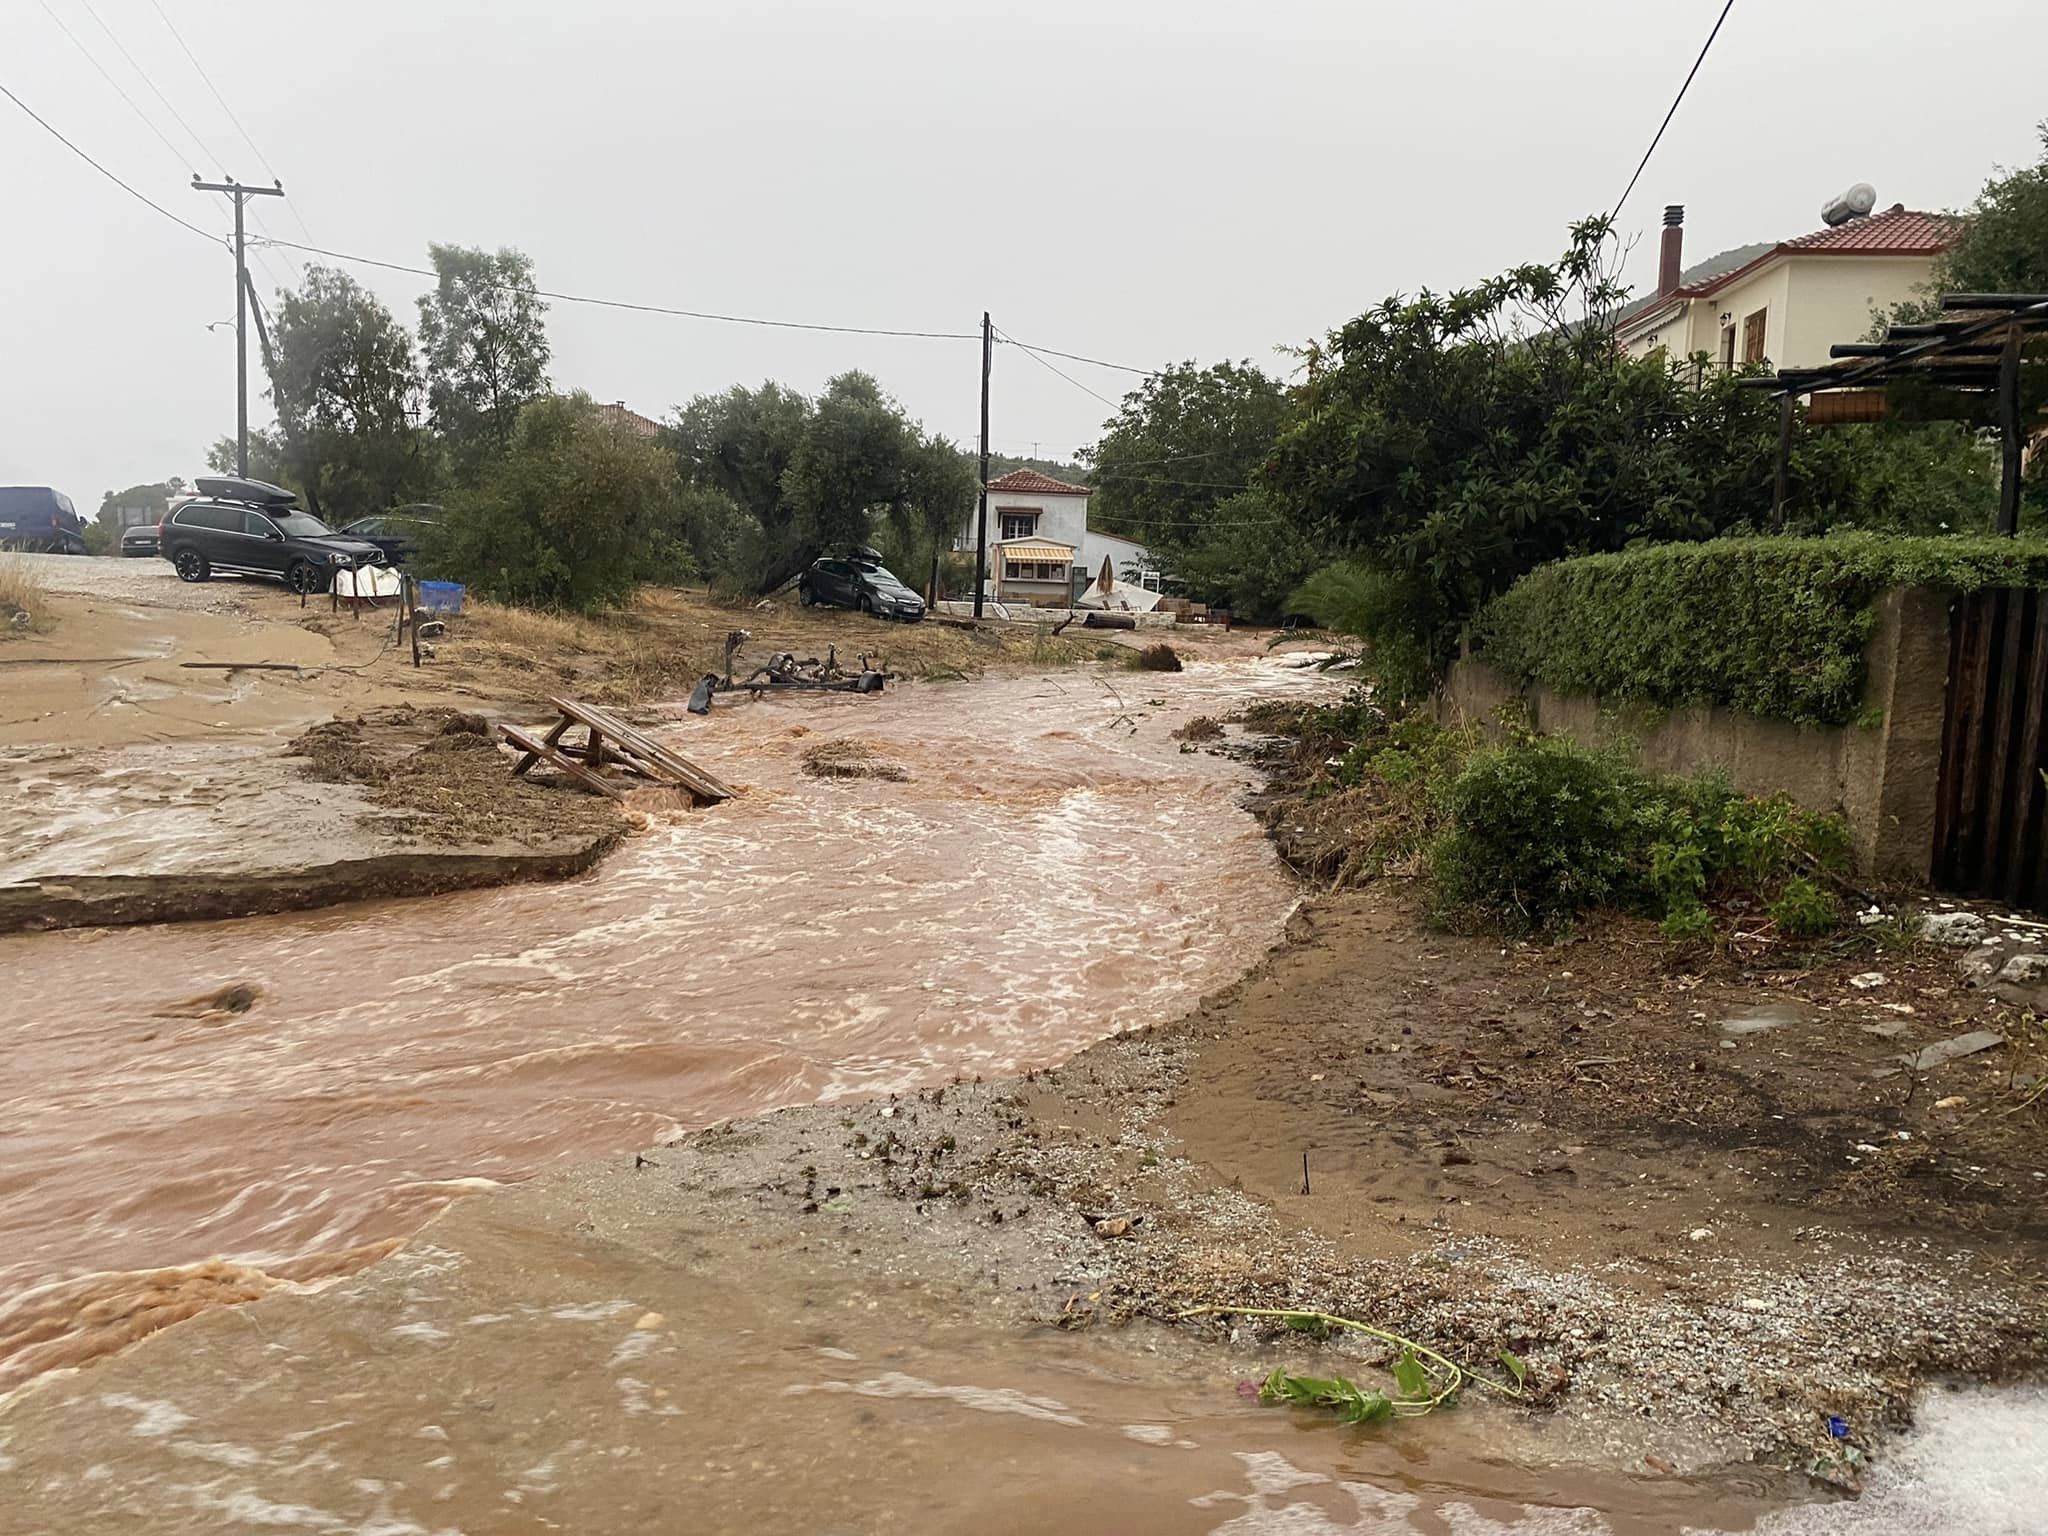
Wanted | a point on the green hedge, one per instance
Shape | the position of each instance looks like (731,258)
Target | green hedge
(1770,626)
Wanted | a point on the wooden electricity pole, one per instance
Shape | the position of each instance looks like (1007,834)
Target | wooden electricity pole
(239,192)
(981,516)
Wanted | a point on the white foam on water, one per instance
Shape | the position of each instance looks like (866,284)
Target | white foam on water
(982,1399)
(1975,1464)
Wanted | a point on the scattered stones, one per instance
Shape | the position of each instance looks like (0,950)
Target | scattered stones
(2025,970)
(1957,930)
(1700,1235)
(1866,980)
(1759,1020)
(1890,1029)
(1953,1101)
(1953,1049)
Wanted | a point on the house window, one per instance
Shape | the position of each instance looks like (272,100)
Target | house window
(1019,525)
(1753,336)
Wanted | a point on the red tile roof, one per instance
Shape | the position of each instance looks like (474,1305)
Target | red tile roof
(1898,231)
(1029,482)
(620,418)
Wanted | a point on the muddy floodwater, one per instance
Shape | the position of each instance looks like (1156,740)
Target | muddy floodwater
(1050,867)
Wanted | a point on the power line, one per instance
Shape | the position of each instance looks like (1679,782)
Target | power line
(119,90)
(200,144)
(1654,142)
(645,309)
(1078,358)
(206,235)
(268,169)
(1032,353)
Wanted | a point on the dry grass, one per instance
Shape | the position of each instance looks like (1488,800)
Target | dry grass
(24,605)
(668,638)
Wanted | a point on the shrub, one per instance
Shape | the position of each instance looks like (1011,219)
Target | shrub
(1689,925)
(1803,910)
(1770,626)
(1541,830)
(1538,830)
(24,605)
(1158,657)
(571,517)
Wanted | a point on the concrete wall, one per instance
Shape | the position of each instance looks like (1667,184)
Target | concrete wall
(1881,778)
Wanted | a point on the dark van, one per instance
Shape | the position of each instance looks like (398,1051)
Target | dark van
(38,520)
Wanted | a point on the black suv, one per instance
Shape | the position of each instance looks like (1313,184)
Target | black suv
(861,581)
(253,529)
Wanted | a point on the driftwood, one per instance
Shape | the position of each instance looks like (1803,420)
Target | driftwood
(1109,621)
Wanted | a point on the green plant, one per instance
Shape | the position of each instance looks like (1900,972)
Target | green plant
(1689,924)
(1539,832)
(570,517)
(1803,910)
(1770,626)
(1424,1379)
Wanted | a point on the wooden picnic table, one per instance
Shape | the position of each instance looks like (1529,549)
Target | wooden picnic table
(614,758)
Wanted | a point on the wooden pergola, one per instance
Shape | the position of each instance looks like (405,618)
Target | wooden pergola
(1975,348)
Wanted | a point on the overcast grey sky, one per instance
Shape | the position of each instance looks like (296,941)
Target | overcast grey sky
(1138,180)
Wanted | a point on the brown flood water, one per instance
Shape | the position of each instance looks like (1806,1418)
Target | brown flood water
(1045,874)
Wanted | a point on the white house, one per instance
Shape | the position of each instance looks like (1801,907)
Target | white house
(1041,549)
(1787,302)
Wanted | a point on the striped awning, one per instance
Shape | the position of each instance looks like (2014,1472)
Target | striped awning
(1058,552)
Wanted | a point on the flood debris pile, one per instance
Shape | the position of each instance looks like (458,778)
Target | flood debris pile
(444,781)
(611,758)
(849,759)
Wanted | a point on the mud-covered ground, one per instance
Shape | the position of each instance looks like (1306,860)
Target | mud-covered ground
(154,733)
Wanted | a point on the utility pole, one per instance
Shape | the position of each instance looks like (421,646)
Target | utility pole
(988,349)
(239,192)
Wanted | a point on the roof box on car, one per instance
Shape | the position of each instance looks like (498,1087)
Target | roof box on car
(257,493)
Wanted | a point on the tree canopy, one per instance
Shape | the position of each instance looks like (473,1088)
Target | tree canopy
(570,516)
(803,476)
(347,387)
(484,332)
(1451,443)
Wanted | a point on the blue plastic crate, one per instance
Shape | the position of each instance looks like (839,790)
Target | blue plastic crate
(441,596)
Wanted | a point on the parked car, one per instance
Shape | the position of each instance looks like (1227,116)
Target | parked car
(859,580)
(252,528)
(39,520)
(396,533)
(139,540)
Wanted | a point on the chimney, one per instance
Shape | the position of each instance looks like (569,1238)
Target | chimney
(1669,262)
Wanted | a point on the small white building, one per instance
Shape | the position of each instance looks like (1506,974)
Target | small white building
(1041,549)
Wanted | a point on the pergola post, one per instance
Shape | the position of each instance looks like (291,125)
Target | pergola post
(2011,440)
(1781,488)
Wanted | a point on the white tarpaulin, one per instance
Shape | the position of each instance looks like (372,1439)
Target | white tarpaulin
(369,581)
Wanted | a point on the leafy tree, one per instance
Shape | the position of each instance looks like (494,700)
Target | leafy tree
(1246,558)
(738,445)
(570,517)
(1451,443)
(484,332)
(806,476)
(2003,244)
(1183,443)
(347,388)
(269,459)
(138,504)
